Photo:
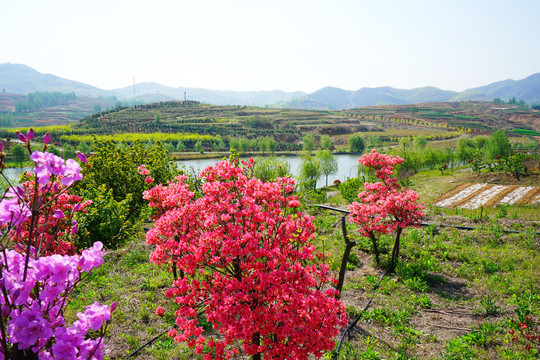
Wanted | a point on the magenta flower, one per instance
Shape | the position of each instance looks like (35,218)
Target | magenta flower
(92,257)
(47,138)
(82,157)
(71,172)
(21,137)
(95,315)
(30,134)
(58,214)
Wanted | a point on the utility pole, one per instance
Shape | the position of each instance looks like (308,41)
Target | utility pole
(185,96)
(134,88)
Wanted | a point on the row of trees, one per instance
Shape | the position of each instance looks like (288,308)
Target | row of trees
(37,100)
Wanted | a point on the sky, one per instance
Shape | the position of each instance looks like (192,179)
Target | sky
(288,45)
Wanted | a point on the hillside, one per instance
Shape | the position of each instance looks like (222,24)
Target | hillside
(21,79)
(55,115)
(438,121)
(483,117)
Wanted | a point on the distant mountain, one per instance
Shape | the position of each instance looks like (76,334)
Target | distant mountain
(21,79)
(335,98)
(527,89)
(211,96)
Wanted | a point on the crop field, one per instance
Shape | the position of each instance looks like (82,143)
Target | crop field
(480,117)
(472,196)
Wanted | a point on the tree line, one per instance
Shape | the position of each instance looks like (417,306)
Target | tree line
(38,100)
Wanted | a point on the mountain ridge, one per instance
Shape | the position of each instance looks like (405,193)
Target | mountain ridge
(22,79)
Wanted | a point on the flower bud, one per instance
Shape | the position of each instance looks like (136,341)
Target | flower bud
(30,134)
(113,306)
(47,138)
(82,157)
(21,137)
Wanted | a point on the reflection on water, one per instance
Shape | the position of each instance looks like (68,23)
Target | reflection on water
(347,167)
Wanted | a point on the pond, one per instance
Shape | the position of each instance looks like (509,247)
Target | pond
(347,167)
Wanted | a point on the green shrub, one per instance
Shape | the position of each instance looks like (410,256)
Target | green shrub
(116,168)
(105,220)
(349,189)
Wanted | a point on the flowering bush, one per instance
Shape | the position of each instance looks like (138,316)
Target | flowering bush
(385,206)
(525,332)
(35,288)
(245,257)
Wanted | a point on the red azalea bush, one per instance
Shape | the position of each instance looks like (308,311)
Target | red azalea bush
(56,225)
(385,206)
(245,257)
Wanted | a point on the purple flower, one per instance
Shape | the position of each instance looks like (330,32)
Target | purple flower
(74,227)
(71,172)
(96,315)
(28,328)
(92,257)
(12,211)
(64,350)
(58,214)
(87,348)
(47,164)
(1,147)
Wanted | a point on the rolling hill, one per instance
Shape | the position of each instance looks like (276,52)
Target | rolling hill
(21,79)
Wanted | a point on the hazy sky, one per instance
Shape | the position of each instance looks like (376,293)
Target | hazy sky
(274,44)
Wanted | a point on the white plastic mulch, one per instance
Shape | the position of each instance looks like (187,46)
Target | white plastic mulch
(482,198)
(460,195)
(515,195)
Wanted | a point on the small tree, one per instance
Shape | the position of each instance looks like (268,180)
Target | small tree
(325,143)
(19,154)
(84,147)
(498,144)
(356,144)
(420,142)
(310,171)
(328,163)
(374,141)
(308,143)
(198,147)
(180,146)
(385,206)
